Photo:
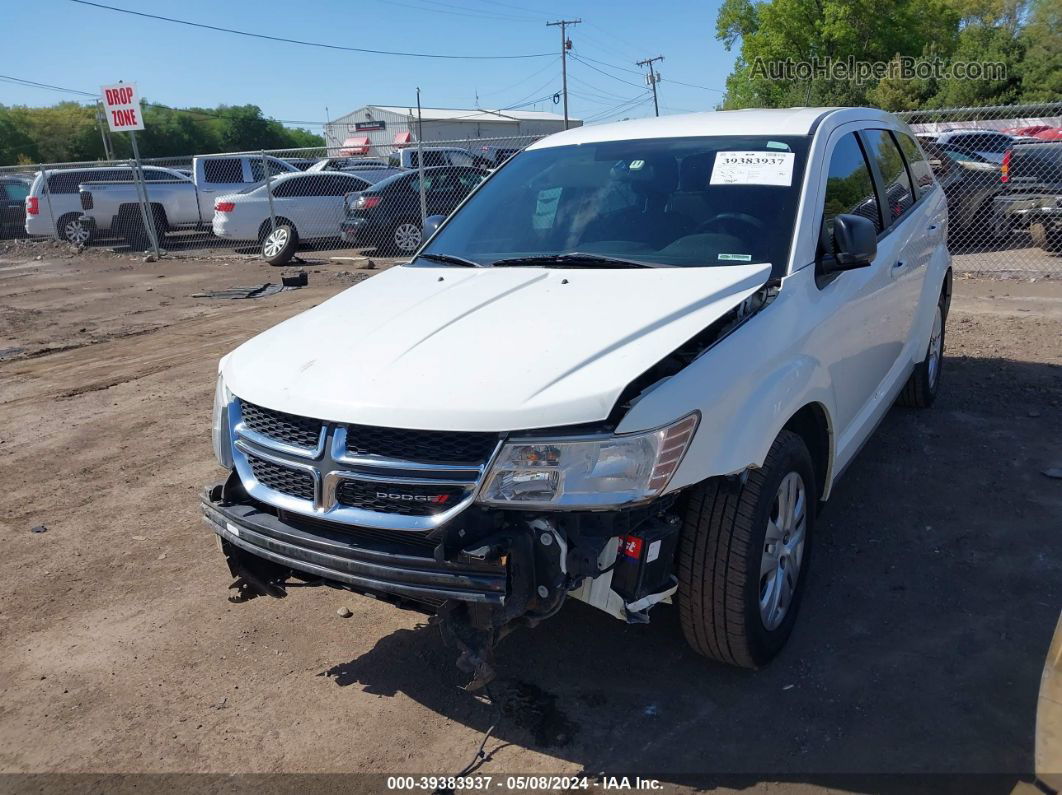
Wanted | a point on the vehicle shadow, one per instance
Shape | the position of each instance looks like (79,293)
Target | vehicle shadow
(930,608)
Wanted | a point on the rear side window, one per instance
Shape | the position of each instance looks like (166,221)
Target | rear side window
(258,172)
(225,169)
(917,164)
(899,194)
(460,159)
(394,160)
(849,189)
(16,191)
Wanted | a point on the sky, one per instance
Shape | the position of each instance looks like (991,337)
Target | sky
(80,47)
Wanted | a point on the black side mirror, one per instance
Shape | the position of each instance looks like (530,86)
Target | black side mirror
(431,223)
(855,243)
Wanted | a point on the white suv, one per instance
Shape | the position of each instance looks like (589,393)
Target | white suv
(627,370)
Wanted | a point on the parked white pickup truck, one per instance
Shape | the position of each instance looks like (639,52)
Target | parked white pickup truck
(176,202)
(628,370)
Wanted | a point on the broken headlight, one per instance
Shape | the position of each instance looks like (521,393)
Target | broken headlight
(588,473)
(220,425)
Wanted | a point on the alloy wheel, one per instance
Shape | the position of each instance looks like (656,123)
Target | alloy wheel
(407,236)
(76,232)
(783,550)
(935,347)
(275,242)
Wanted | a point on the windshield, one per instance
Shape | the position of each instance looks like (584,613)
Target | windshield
(694,202)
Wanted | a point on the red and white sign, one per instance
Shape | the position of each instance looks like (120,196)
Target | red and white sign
(121,104)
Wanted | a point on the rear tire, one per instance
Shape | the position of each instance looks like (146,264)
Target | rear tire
(743,557)
(405,238)
(922,386)
(1047,238)
(75,231)
(279,245)
(136,234)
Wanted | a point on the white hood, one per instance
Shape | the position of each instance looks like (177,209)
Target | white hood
(482,349)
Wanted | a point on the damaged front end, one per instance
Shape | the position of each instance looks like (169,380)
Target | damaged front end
(481,575)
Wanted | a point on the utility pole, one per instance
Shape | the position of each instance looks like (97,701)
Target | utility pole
(652,78)
(565,46)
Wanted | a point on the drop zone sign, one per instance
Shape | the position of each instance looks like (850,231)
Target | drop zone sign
(121,103)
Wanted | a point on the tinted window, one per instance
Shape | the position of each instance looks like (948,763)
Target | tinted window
(705,201)
(222,170)
(394,160)
(849,189)
(291,187)
(159,176)
(899,194)
(460,158)
(16,191)
(68,181)
(916,163)
(258,173)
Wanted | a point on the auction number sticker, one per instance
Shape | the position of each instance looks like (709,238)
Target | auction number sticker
(753,168)
(486,782)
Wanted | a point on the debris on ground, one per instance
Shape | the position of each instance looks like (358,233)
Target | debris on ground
(296,279)
(344,612)
(253,291)
(39,529)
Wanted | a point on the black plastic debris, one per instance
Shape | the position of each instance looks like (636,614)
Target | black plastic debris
(39,529)
(297,279)
(254,291)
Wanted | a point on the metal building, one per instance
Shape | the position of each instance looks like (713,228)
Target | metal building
(377,128)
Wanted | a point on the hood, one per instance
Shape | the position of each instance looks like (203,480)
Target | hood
(482,349)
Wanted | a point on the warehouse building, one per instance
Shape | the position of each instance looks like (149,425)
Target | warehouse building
(377,129)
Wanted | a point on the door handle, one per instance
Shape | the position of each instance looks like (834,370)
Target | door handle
(932,228)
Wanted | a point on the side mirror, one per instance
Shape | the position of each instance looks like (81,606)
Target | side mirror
(855,244)
(431,223)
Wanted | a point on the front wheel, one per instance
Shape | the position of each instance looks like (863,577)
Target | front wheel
(744,554)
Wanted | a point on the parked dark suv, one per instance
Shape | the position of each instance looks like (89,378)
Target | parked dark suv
(388,215)
(13,193)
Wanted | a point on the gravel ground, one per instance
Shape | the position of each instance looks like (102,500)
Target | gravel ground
(930,608)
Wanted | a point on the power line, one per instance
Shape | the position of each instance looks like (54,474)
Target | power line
(606,74)
(612,65)
(694,85)
(622,108)
(307,43)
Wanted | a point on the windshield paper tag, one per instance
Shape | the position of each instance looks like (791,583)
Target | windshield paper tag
(735,257)
(753,168)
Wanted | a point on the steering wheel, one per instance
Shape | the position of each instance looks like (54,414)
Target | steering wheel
(725,221)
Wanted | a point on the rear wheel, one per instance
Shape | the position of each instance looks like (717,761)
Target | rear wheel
(1048,238)
(73,230)
(744,555)
(405,237)
(921,388)
(279,245)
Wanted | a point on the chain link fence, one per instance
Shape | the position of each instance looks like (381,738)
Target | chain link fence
(1000,168)
(372,197)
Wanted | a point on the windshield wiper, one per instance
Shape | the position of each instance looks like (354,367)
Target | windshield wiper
(450,259)
(575,260)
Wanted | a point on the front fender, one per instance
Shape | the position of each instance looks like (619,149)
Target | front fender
(747,388)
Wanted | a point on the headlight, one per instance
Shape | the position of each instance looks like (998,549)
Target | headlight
(588,473)
(220,427)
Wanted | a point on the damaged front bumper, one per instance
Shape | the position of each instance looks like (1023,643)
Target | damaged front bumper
(482,574)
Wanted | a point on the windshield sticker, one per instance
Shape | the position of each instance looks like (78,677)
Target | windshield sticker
(735,257)
(546,208)
(777,145)
(753,168)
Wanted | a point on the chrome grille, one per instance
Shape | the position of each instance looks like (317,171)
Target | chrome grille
(287,428)
(286,480)
(442,447)
(384,478)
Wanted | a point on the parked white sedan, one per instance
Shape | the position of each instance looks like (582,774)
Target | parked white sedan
(307,207)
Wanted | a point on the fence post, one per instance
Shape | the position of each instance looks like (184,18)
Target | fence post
(146,212)
(48,201)
(269,193)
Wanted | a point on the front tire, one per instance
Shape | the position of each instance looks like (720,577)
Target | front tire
(1047,238)
(744,555)
(405,237)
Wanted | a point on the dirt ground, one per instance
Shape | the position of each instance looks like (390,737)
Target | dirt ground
(935,588)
